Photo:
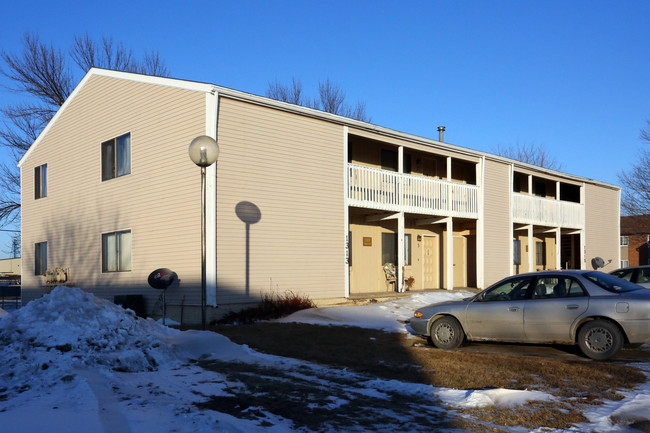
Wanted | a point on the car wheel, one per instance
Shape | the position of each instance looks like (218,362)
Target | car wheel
(600,339)
(446,333)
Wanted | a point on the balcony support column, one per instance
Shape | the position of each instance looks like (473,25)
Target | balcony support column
(531,248)
(558,248)
(450,253)
(399,283)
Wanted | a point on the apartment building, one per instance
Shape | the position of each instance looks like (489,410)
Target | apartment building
(298,200)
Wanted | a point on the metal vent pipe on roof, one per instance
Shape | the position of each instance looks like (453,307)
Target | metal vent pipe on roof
(441,133)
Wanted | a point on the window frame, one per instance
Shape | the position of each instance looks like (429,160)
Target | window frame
(117,259)
(40,181)
(624,241)
(117,149)
(40,258)
(540,256)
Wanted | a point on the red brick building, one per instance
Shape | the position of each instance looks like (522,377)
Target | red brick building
(635,240)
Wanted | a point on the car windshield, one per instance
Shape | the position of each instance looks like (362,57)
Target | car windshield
(610,282)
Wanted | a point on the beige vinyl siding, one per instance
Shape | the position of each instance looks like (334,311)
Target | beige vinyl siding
(290,167)
(159,201)
(498,228)
(602,226)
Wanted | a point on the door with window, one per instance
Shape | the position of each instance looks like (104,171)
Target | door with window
(430,262)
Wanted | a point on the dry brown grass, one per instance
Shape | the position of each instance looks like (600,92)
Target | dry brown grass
(576,383)
(273,306)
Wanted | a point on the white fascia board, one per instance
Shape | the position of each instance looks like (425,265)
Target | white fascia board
(211,110)
(160,81)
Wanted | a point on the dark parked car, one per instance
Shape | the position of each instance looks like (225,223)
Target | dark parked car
(597,311)
(635,274)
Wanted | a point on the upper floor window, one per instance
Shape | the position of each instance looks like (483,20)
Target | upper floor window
(116,251)
(625,240)
(116,157)
(40,258)
(40,181)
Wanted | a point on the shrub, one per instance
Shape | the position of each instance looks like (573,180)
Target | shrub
(273,306)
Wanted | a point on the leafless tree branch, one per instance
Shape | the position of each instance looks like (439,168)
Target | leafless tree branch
(531,154)
(331,98)
(41,73)
(635,197)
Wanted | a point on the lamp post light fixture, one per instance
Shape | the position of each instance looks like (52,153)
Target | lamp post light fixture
(204,151)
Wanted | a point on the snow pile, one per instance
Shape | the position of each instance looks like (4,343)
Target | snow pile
(68,329)
(388,316)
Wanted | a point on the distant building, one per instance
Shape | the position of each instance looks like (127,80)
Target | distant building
(635,240)
(10,269)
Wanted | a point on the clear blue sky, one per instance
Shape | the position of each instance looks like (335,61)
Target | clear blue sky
(573,76)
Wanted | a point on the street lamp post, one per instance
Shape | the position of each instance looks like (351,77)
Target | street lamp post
(204,151)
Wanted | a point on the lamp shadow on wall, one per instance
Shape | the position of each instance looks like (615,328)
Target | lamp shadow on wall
(249,214)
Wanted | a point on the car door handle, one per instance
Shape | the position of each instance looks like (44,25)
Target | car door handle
(513,308)
(572,307)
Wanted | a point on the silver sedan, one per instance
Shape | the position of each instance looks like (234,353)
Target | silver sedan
(597,311)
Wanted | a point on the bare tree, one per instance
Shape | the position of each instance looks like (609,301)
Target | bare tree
(531,154)
(635,197)
(331,98)
(42,74)
(282,92)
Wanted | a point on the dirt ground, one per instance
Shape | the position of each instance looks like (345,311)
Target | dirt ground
(559,370)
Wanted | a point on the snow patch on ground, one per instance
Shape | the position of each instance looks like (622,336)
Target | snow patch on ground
(75,363)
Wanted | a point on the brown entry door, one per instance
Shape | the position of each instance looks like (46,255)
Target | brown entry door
(460,262)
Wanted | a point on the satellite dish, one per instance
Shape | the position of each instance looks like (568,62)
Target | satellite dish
(597,262)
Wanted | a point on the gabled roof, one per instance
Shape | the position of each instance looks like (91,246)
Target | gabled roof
(306,111)
(635,225)
(161,81)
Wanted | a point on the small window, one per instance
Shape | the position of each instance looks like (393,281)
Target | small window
(389,248)
(557,287)
(40,258)
(625,263)
(625,274)
(116,251)
(625,240)
(116,157)
(508,290)
(40,181)
(407,249)
(540,254)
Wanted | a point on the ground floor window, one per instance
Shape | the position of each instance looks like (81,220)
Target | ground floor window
(40,258)
(540,254)
(116,251)
(389,248)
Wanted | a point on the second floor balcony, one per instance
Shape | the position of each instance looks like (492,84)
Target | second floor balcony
(391,191)
(530,209)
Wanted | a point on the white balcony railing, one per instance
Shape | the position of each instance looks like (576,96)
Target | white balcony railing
(529,209)
(387,190)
